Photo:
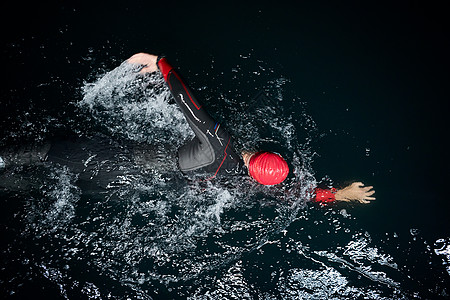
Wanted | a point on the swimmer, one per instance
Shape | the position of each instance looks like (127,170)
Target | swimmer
(210,153)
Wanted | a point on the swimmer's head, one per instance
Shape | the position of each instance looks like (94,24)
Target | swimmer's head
(266,167)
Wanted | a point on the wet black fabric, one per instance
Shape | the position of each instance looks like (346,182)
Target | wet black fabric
(211,151)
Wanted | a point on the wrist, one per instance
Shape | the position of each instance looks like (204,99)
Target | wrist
(164,66)
(158,58)
(340,196)
(325,195)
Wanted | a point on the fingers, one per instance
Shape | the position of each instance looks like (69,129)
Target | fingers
(149,69)
(367,188)
(139,58)
(359,184)
(135,59)
(365,192)
(148,61)
(369,193)
(366,200)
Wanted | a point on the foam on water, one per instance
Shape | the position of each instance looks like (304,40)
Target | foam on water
(129,105)
(326,283)
(319,280)
(57,212)
(361,258)
(442,248)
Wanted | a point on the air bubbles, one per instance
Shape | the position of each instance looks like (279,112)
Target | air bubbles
(344,213)
(442,249)
(414,231)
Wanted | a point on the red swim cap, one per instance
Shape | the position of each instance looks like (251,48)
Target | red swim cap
(268,168)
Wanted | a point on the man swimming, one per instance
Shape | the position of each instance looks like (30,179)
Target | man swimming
(211,152)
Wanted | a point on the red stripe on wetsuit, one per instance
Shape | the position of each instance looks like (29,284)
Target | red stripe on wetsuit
(168,71)
(225,156)
(165,69)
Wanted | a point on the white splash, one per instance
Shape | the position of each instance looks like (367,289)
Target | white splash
(365,260)
(442,248)
(326,283)
(131,105)
(58,210)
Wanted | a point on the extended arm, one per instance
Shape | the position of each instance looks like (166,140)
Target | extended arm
(200,121)
(211,150)
(354,192)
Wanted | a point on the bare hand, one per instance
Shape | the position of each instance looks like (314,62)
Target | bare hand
(356,192)
(145,59)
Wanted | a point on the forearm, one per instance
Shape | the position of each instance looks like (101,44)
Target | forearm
(353,192)
(190,106)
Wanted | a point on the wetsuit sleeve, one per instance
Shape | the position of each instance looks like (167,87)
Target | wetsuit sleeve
(324,195)
(210,147)
(196,115)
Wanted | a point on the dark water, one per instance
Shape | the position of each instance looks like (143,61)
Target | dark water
(359,94)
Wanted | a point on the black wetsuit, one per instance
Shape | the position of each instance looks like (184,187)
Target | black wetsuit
(211,152)
(208,155)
